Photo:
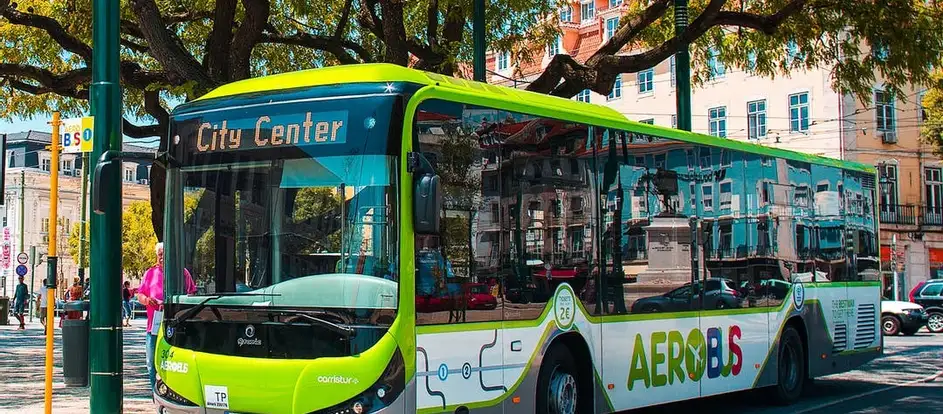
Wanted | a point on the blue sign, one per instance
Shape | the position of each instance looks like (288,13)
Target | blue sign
(21,270)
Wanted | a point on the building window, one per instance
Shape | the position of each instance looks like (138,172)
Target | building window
(792,49)
(718,121)
(45,164)
(503,59)
(674,121)
(933,180)
(766,161)
(726,195)
(884,106)
(650,121)
(879,52)
(554,47)
(692,189)
(129,174)
(65,166)
(717,68)
(801,196)
(612,25)
(616,92)
(45,225)
(587,10)
(583,96)
(888,187)
(799,112)
(659,159)
(756,119)
(646,80)
(566,14)
(707,196)
(615,3)
(751,61)
(705,158)
(673,68)
(725,158)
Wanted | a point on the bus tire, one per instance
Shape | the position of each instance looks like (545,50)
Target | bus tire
(791,368)
(558,383)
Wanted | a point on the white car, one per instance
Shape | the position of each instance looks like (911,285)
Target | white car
(901,317)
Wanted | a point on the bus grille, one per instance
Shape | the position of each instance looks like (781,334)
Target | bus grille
(867,323)
(840,341)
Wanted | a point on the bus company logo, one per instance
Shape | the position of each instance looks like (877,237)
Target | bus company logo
(670,357)
(250,338)
(798,294)
(337,379)
(173,366)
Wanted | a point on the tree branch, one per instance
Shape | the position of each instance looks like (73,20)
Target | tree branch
(135,131)
(139,48)
(394,32)
(368,19)
(167,48)
(247,36)
(66,84)
(50,26)
(633,27)
(335,47)
(342,24)
(432,22)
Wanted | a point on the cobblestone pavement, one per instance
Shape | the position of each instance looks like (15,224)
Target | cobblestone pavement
(22,373)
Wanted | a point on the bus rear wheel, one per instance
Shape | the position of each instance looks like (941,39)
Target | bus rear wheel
(791,368)
(558,383)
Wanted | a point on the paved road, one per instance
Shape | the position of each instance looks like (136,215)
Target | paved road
(908,379)
(22,373)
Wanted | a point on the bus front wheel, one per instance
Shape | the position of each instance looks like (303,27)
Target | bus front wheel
(791,368)
(557,383)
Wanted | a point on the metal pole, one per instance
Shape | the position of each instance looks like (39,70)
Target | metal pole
(51,258)
(32,281)
(105,335)
(894,266)
(683,68)
(478,36)
(82,240)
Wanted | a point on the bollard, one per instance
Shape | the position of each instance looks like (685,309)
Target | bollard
(4,310)
(75,369)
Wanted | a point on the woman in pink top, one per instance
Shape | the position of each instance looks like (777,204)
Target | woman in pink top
(151,294)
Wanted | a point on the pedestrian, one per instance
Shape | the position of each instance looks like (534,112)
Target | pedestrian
(20,301)
(42,308)
(151,294)
(126,302)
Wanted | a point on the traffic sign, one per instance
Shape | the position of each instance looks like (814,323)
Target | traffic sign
(76,134)
(21,270)
(22,258)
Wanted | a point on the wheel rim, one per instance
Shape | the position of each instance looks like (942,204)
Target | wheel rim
(935,322)
(788,369)
(888,326)
(562,395)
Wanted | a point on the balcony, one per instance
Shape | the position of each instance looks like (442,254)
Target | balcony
(898,214)
(912,215)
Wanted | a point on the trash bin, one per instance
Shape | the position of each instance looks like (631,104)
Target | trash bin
(4,310)
(75,368)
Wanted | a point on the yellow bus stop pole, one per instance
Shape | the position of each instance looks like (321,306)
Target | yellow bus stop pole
(51,275)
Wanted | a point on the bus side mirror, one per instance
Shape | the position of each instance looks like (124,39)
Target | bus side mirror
(427,203)
(107,166)
(427,194)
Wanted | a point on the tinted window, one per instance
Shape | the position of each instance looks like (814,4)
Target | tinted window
(932,289)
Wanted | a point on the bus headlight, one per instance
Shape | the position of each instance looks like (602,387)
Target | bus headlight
(379,395)
(168,394)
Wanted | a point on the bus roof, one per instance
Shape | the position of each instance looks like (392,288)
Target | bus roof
(516,98)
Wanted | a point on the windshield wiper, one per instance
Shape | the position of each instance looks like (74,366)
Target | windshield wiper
(345,331)
(189,313)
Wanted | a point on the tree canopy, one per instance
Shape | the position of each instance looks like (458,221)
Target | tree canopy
(137,240)
(176,50)
(932,129)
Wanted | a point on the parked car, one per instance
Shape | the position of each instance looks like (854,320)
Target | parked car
(901,317)
(718,294)
(479,297)
(929,294)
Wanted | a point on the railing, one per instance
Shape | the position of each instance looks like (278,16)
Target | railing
(898,214)
(931,215)
(636,254)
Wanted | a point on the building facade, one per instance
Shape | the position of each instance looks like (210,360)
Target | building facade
(25,211)
(800,111)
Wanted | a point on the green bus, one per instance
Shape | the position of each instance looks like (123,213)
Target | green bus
(373,238)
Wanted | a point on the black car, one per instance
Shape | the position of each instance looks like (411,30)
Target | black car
(929,294)
(718,294)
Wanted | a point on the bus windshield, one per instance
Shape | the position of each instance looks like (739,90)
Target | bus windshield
(307,226)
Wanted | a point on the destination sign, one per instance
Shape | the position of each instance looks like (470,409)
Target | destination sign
(267,131)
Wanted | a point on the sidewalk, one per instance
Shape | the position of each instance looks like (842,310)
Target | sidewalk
(22,373)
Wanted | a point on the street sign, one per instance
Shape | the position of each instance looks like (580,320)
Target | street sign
(22,258)
(76,134)
(21,270)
